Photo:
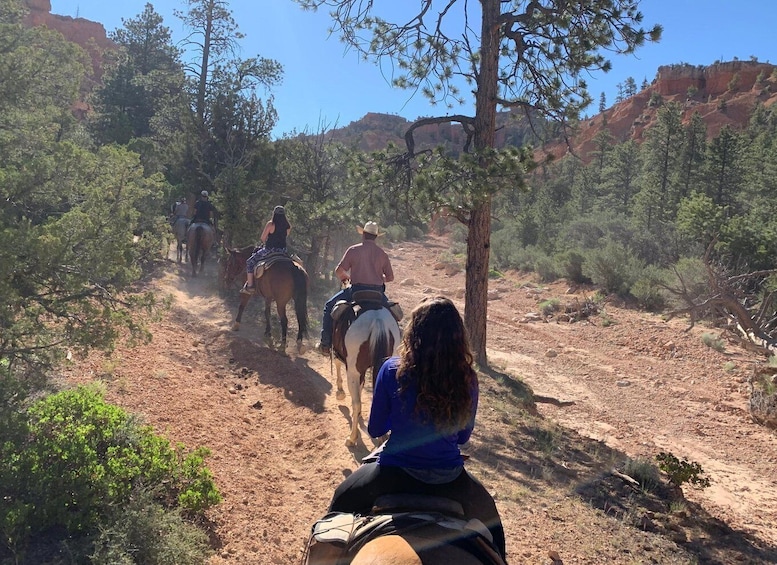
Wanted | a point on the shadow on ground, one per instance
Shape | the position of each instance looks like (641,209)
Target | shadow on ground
(537,453)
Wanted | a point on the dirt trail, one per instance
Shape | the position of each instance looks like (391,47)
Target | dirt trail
(639,385)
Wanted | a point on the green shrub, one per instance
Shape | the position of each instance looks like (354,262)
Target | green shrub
(606,320)
(549,307)
(459,233)
(414,232)
(505,249)
(570,263)
(689,277)
(648,289)
(517,257)
(733,84)
(143,532)
(713,342)
(681,471)
(613,267)
(545,267)
(396,233)
(655,100)
(77,458)
(644,471)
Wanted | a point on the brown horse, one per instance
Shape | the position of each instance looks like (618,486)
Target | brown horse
(233,265)
(421,534)
(398,550)
(281,281)
(200,240)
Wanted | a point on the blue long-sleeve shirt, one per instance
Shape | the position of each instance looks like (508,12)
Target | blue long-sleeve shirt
(412,444)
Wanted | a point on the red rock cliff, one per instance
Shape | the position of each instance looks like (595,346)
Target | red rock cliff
(89,35)
(722,94)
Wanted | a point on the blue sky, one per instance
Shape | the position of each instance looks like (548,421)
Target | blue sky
(325,84)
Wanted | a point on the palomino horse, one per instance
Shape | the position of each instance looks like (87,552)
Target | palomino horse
(281,281)
(432,532)
(179,228)
(362,343)
(200,240)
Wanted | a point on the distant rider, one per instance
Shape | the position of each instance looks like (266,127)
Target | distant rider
(180,210)
(273,241)
(204,212)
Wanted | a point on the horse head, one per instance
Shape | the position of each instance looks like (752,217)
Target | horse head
(235,262)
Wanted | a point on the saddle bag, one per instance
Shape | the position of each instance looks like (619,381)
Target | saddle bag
(396,311)
(339,309)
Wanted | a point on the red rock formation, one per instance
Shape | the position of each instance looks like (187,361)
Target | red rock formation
(722,94)
(89,35)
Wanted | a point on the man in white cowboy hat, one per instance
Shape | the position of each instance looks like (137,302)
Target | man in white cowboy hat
(367,266)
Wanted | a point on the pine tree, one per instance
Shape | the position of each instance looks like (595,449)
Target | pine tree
(692,158)
(621,176)
(724,167)
(145,78)
(659,196)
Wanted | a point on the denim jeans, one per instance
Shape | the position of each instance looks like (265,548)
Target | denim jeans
(345,294)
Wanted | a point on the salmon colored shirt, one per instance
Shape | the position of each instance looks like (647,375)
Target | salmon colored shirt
(367,263)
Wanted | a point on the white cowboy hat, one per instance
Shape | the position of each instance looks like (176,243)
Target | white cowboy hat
(371,228)
(204,193)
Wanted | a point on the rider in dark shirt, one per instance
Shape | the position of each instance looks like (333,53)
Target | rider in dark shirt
(204,211)
(273,241)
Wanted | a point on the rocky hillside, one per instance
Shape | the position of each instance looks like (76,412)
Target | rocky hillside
(722,93)
(374,131)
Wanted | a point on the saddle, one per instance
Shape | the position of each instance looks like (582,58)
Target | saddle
(344,313)
(194,225)
(363,300)
(338,537)
(275,257)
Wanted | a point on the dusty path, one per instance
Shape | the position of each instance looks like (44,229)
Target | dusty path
(277,433)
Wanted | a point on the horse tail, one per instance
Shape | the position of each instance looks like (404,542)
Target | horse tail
(379,343)
(199,234)
(301,298)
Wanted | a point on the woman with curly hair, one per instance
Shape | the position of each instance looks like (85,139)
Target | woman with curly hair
(426,398)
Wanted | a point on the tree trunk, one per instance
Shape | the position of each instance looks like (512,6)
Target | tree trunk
(479,236)
(205,63)
(476,295)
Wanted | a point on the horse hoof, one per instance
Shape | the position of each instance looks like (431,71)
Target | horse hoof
(236,327)
(350,443)
(340,395)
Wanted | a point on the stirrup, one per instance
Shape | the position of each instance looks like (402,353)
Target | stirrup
(248,290)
